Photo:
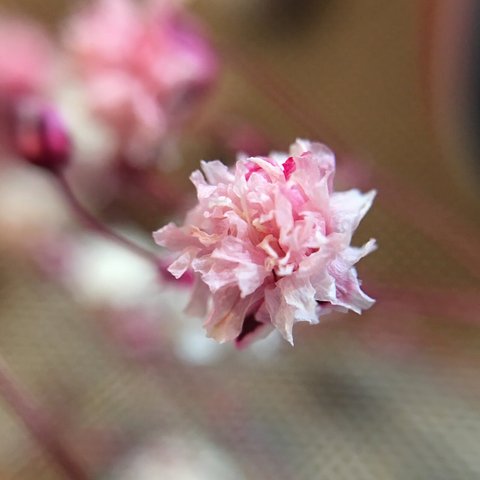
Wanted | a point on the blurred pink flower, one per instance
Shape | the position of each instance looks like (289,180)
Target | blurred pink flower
(26,61)
(25,57)
(270,243)
(144,65)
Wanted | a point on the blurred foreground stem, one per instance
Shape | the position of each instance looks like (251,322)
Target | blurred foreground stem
(40,426)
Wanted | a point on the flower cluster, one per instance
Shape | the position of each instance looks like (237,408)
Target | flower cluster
(269,242)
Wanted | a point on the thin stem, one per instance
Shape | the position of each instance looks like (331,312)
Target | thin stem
(38,424)
(149,181)
(99,227)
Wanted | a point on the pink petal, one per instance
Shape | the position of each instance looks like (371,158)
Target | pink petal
(289,166)
(174,238)
(216,172)
(228,314)
(348,209)
(183,262)
(198,304)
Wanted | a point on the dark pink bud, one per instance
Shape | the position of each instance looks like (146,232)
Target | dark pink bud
(41,137)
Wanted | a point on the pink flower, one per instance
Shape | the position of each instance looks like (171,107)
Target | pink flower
(270,243)
(25,57)
(143,64)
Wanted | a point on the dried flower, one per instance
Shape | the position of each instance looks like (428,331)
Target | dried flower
(270,243)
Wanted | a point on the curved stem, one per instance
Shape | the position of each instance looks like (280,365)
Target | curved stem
(38,424)
(99,227)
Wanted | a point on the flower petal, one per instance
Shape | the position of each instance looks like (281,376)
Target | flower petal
(228,314)
(183,262)
(348,209)
(174,238)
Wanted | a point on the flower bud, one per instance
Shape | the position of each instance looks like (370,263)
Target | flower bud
(41,137)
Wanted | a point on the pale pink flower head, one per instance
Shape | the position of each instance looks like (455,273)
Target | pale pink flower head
(144,64)
(26,56)
(269,242)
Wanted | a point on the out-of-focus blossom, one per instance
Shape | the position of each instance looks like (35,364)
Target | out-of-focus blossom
(93,168)
(270,243)
(93,139)
(144,65)
(26,65)
(26,57)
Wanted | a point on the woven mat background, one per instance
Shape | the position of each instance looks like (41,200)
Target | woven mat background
(393,394)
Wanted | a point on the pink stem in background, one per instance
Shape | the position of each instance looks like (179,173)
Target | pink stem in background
(445,32)
(451,303)
(39,425)
(168,198)
(161,190)
(99,227)
(438,222)
(440,225)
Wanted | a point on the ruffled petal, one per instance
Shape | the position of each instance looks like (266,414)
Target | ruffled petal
(320,158)
(281,315)
(183,262)
(228,314)
(348,291)
(216,274)
(174,238)
(198,304)
(216,172)
(291,300)
(348,209)
(246,265)
(204,190)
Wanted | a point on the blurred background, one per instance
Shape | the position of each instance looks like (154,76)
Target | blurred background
(129,386)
